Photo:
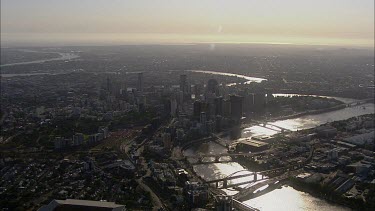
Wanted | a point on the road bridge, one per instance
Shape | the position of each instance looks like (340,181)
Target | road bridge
(273,126)
(217,157)
(252,177)
(258,176)
(289,171)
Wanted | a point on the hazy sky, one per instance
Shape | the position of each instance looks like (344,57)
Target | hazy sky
(334,22)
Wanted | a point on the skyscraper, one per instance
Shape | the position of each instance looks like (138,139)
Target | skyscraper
(183,82)
(259,101)
(199,107)
(236,106)
(203,118)
(226,107)
(184,87)
(212,86)
(219,106)
(123,84)
(140,82)
(109,85)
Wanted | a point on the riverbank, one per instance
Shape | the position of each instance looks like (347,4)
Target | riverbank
(329,195)
(300,114)
(288,198)
(305,113)
(310,201)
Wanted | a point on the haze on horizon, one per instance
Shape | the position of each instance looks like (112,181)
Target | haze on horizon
(112,22)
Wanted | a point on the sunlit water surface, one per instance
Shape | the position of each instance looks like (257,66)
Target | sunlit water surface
(289,199)
(285,198)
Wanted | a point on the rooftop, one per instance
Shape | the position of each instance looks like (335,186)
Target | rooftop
(73,204)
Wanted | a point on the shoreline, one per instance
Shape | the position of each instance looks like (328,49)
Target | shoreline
(324,193)
(300,114)
(333,199)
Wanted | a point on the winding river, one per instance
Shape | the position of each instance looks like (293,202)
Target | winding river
(248,78)
(276,199)
(63,56)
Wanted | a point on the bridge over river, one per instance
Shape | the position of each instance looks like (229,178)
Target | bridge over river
(266,177)
(218,157)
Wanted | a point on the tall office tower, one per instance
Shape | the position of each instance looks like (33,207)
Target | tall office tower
(248,102)
(236,106)
(198,90)
(123,84)
(140,82)
(203,118)
(109,85)
(226,107)
(197,108)
(184,87)
(259,101)
(173,107)
(212,86)
(218,106)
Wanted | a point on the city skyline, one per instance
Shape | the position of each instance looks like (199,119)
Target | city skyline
(230,105)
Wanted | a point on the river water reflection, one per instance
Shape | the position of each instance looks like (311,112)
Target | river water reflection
(63,56)
(285,198)
(310,121)
(288,199)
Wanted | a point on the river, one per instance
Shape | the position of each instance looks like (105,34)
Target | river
(248,78)
(63,56)
(285,198)
(275,200)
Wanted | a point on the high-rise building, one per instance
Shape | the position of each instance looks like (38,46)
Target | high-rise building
(212,86)
(123,84)
(226,107)
(140,82)
(198,90)
(203,118)
(218,106)
(183,83)
(185,87)
(248,102)
(236,106)
(173,106)
(199,107)
(259,101)
(109,85)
